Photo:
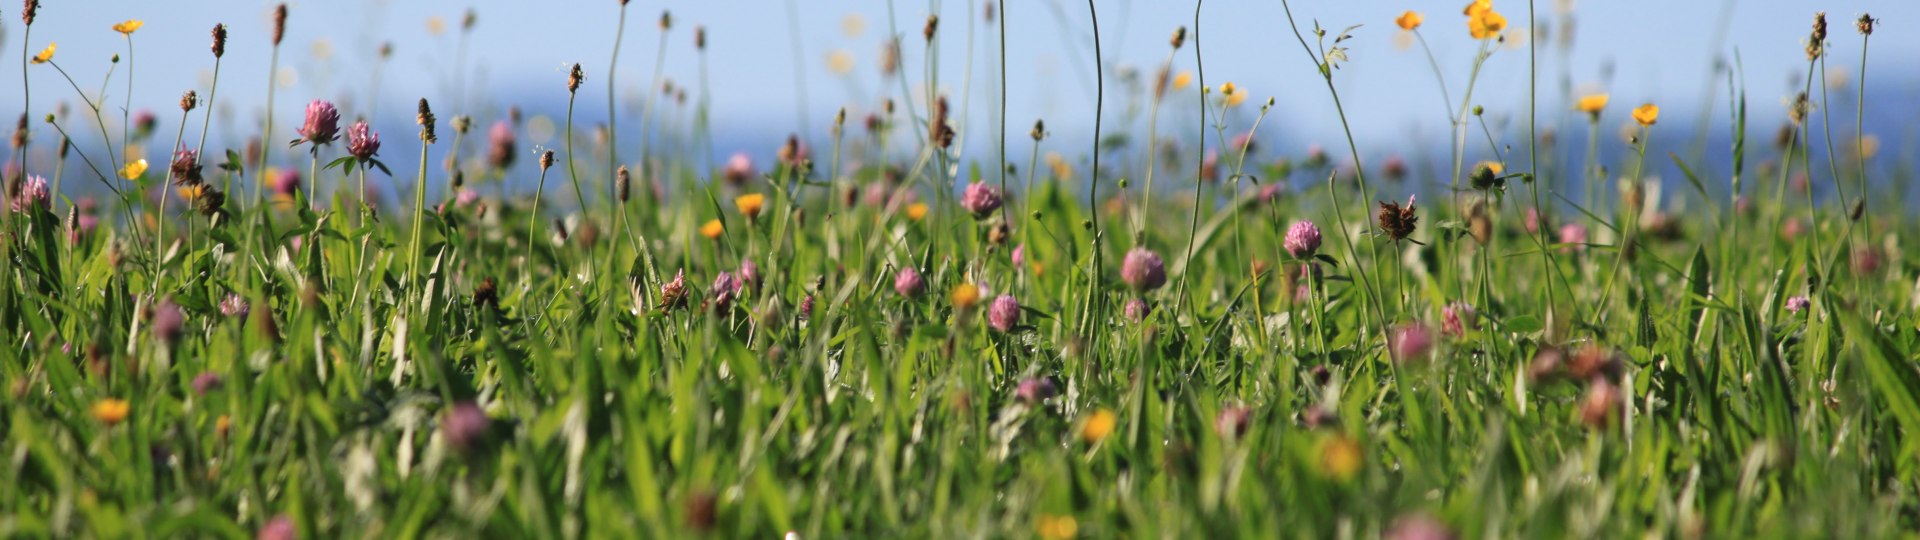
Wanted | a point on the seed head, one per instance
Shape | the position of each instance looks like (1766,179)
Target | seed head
(279,23)
(186,167)
(425,119)
(1817,42)
(666,20)
(623,183)
(189,100)
(1865,24)
(1397,221)
(1039,130)
(933,24)
(467,21)
(386,50)
(219,40)
(546,160)
(574,78)
(28,11)
(700,38)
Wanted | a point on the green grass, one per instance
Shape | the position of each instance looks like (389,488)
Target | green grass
(1688,399)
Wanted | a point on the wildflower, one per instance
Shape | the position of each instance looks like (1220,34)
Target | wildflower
(909,283)
(1591,104)
(1817,42)
(1303,240)
(1411,342)
(739,169)
(1057,527)
(189,100)
(1035,390)
(1866,261)
(1798,303)
(134,169)
(185,167)
(964,296)
(1546,363)
(1316,417)
(1398,221)
(425,119)
(1408,21)
(1232,94)
(234,306)
(1098,425)
(749,274)
(322,124)
(32,193)
(1477,7)
(750,204)
(465,426)
(1457,318)
(129,26)
(46,55)
(110,411)
(206,381)
(575,76)
(28,10)
(917,211)
(1183,80)
(1143,270)
(1004,313)
(1865,24)
(980,199)
(1395,168)
(1575,235)
(280,527)
(806,307)
(1418,527)
(1646,114)
(725,285)
(286,182)
(279,23)
(1595,362)
(1486,24)
(713,229)
(1136,309)
(500,143)
(1233,421)
(673,293)
(1601,405)
(362,141)
(1019,256)
(1486,175)
(1341,457)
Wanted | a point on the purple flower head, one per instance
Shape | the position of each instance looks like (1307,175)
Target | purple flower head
(1798,303)
(1303,240)
(1143,270)
(362,142)
(1034,390)
(465,426)
(909,283)
(1411,343)
(980,199)
(806,307)
(186,166)
(500,143)
(1004,313)
(1574,234)
(280,527)
(323,123)
(1136,310)
(749,274)
(1233,421)
(206,381)
(234,306)
(466,197)
(1418,527)
(725,283)
(1019,256)
(168,321)
(1457,318)
(143,122)
(739,169)
(33,193)
(1533,221)
(286,182)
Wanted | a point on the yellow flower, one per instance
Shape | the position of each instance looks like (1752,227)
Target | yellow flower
(1409,20)
(1233,94)
(1494,166)
(1058,527)
(134,169)
(750,204)
(1098,425)
(840,62)
(964,295)
(110,411)
(1868,145)
(129,26)
(1486,24)
(917,211)
(1181,81)
(1646,114)
(436,25)
(1591,104)
(192,192)
(1477,7)
(46,55)
(1341,457)
(712,229)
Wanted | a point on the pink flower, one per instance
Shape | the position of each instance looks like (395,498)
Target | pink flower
(33,193)
(323,123)
(909,283)
(749,274)
(1866,261)
(1004,313)
(466,197)
(1143,270)
(1303,240)
(168,321)
(465,427)
(1136,310)
(739,169)
(1243,140)
(806,307)
(1210,166)
(1019,256)
(362,142)
(1798,303)
(1034,390)
(280,527)
(1533,221)
(206,381)
(1233,421)
(286,182)
(980,199)
(1411,343)
(1418,527)
(1458,318)
(500,143)
(234,306)
(1575,234)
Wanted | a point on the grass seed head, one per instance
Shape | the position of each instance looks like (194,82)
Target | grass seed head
(219,40)
(279,23)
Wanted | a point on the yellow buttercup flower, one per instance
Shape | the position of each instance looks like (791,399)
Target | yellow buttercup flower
(46,55)
(1233,94)
(1477,7)
(134,169)
(1494,166)
(1182,80)
(110,411)
(129,26)
(1486,24)
(1098,425)
(750,204)
(1591,104)
(1058,527)
(1646,114)
(840,62)
(1409,20)
(964,295)
(1341,457)
(917,211)
(712,229)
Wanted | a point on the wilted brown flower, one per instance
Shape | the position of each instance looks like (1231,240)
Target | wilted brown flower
(546,160)
(1865,24)
(574,78)
(189,100)
(1397,221)
(1179,37)
(29,11)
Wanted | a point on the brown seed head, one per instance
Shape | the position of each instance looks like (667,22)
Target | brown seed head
(933,24)
(466,22)
(487,294)
(1179,37)
(1397,221)
(66,145)
(219,40)
(666,20)
(546,160)
(622,183)
(1817,42)
(1859,209)
(189,100)
(574,78)
(1865,24)
(279,23)
(1797,112)
(425,119)
(890,58)
(28,11)
(1039,130)
(459,178)
(700,38)
(386,50)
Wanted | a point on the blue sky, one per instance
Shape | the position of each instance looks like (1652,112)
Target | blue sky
(1658,51)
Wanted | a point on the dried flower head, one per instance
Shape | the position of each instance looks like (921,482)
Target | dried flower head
(666,20)
(622,183)
(30,10)
(1179,37)
(279,23)
(933,24)
(1397,221)
(700,38)
(185,167)
(219,40)
(575,76)
(189,101)
(546,160)
(1865,24)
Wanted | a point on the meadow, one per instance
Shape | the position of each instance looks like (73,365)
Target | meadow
(879,333)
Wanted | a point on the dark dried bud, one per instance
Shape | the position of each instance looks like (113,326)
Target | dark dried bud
(700,38)
(1039,130)
(279,24)
(702,510)
(386,50)
(461,123)
(574,78)
(546,160)
(1398,222)
(999,234)
(219,40)
(939,131)
(466,22)
(66,145)
(933,24)
(486,294)
(425,119)
(210,201)
(622,183)
(1865,24)
(560,228)
(1859,209)
(459,178)
(1179,37)
(189,100)
(29,11)
(666,20)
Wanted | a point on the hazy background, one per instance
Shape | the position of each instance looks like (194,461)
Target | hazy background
(1639,50)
